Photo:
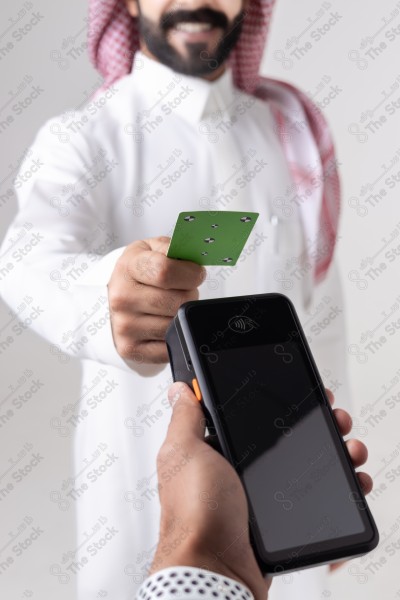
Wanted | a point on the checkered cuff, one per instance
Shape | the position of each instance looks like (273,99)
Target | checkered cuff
(191,583)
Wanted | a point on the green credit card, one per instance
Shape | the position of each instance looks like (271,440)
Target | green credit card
(211,238)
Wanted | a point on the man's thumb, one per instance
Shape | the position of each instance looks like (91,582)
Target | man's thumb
(187,416)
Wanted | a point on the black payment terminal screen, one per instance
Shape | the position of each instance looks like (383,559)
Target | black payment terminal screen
(282,446)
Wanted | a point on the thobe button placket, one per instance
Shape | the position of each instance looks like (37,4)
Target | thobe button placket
(274,220)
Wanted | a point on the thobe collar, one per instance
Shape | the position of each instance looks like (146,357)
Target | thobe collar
(200,99)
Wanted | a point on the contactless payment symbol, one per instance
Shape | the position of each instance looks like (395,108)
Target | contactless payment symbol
(216,238)
(241,324)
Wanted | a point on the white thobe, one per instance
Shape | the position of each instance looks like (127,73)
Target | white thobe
(119,170)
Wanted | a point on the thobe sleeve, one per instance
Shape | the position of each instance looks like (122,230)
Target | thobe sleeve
(57,253)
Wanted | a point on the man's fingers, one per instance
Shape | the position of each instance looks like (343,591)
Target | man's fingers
(342,417)
(154,268)
(146,299)
(154,301)
(145,291)
(330,395)
(187,417)
(343,420)
(159,244)
(146,262)
(365,482)
(152,352)
(358,452)
(141,327)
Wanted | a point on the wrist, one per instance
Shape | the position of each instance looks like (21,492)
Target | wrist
(191,555)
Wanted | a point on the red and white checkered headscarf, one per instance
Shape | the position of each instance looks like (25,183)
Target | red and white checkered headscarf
(113,39)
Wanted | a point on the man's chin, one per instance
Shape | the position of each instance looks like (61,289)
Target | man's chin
(195,60)
(197,68)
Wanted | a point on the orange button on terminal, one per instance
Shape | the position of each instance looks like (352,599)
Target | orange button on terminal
(196,389)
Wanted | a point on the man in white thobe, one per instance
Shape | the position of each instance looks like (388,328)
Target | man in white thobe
(173,133)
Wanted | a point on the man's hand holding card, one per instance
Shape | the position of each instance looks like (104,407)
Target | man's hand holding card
(153,277)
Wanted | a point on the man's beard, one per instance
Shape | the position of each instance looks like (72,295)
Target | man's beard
(200,60)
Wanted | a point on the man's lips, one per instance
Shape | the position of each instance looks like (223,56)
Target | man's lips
(190,27)
(194,21)
(195,31)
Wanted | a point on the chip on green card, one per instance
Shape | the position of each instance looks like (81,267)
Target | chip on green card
(211,238)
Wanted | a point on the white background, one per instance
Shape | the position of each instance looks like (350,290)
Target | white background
(362,64)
